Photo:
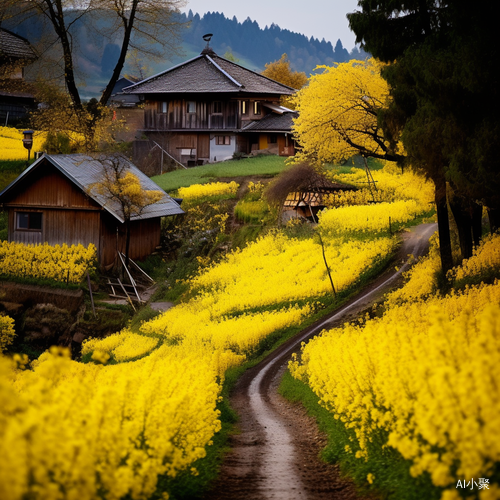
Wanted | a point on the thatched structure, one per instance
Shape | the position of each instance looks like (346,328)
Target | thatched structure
(302,189)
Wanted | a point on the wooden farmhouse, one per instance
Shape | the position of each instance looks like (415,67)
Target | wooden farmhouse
(208,108)
(16,96)
(52,201)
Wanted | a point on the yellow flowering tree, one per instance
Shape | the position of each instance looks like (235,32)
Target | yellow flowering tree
(121,186)
(282,72)
(338,114)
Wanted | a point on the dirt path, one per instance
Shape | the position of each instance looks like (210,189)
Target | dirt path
(275,455)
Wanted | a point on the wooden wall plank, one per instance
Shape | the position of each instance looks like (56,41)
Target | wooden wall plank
(47,187)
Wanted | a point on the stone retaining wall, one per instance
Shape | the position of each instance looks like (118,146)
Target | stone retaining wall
(30,295)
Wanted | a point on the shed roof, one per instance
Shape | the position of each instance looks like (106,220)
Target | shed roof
(13,46)
(272,123)
(84,170)
(209,73)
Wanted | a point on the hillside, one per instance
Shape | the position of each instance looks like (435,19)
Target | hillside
(251,45)
(256,45)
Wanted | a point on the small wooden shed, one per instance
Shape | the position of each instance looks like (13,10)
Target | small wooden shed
(50,202)
(309,199)
(302,191)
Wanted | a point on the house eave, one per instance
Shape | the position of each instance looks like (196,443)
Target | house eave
(266,131)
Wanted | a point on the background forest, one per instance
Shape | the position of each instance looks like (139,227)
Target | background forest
(249,44)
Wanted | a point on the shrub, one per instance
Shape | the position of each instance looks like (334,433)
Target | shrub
(7,332)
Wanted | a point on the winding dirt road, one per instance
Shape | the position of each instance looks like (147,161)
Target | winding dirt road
(275,455)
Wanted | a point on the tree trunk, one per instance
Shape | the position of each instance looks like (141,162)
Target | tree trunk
(494,219)
(477,223)
(128,25)
(443,223)
(127,242)
(463,221)
(55,12)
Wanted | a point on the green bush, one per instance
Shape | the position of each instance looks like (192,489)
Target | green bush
(4,221)
(57,143)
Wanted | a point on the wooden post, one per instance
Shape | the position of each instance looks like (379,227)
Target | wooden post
(91,296)
(326,264)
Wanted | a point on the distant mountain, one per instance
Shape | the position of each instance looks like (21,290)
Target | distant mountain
(248,42)
(245,41)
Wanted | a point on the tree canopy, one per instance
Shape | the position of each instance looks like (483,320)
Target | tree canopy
(121,186)
(282,72)
(444,103)
(338,114)
(136,24)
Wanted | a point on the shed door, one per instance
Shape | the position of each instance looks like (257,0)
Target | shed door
(204,146)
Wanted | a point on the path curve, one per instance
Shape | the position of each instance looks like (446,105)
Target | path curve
(275,454)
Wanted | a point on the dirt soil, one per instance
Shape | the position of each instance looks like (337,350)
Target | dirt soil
(275,455)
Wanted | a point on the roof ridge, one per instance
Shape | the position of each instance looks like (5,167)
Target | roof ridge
(255,72)
(224,72)
(163,72)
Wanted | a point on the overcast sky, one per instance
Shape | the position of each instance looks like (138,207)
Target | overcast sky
(318,18)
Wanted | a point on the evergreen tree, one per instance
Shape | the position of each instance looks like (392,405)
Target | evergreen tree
(340,54)
(444,93)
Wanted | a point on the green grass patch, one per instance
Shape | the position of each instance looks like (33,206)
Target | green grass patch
(42,282)
(260,165)
(9,171)
(12,166)
(392,479)
(144,314)
(252,211)
(246,234)
(4,226)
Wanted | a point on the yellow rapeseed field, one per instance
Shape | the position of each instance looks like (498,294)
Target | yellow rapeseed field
(84,431)
(144,403)
(213,189)
(11,143)
(426,374)
(60,262)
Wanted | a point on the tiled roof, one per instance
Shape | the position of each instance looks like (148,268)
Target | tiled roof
(13,46)
(84,170)
(209,73)
(272,123)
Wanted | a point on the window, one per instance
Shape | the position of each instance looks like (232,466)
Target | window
(223,140)
(163,107)
(29,221)
(272,139)
(244,107)
(217,107)
(191,107)
(256,108)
